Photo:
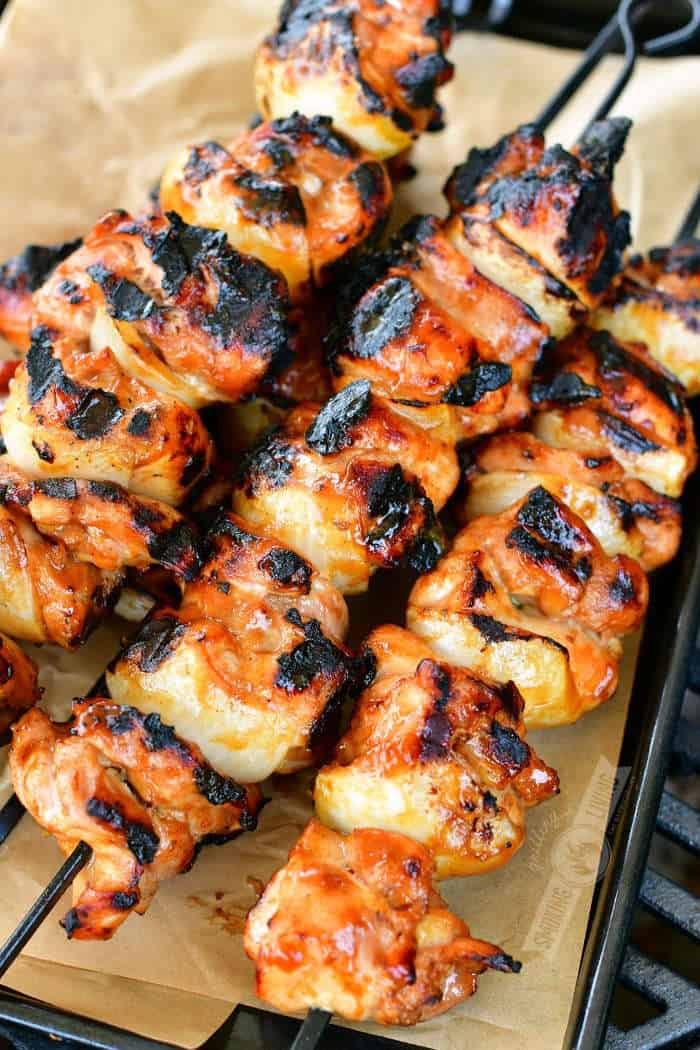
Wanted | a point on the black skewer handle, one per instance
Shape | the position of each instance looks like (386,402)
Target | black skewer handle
(43,905)
(312,1030)
(691,221)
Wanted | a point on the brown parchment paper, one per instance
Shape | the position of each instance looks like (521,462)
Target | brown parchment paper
(94,98)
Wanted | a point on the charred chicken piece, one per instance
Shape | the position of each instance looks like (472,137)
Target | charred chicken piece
(77,413)
(251,667)
(295,193)
(436,753)
(146,322)
(126,785)
(529,596)
(452,349)
(352,484)
(101,523)
(20,277)
(19,685)
(657,302)
(352,924)
(543,222)
(373,68)
(607,398)
(625,515)
(46,594)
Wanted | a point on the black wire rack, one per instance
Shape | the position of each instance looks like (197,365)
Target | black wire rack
(638,982)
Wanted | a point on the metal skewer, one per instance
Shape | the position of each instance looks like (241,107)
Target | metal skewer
(689,225)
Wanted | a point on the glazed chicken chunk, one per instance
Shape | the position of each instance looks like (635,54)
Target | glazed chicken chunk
(145,323)
(625,515)
(656,301)
(295,193)
(529,596)
(436,753)
(607,398)
(373,68)
(353,485)
(20,277)
(352,924)
(139,796)
(102,524)
(46,594)
(19,685)
(251,667)
(543,222)
(452,351)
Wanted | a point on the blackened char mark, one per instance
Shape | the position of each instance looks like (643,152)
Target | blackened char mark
(508,749)
(72,921)
(384,314)
(622,590)
(31,267)
(614,361)
(625,436)
(268,464)
(203,161)
(316,655)
(368,180)
(420,78)
(629,512)
(287,567)
(181,248)
(107,491)
(482,379)
(437,730)
(566,388)
(140,839)
(269,201)
(480,163)
(124,901)
(543,514)
(223,525)
(178,548)
(97,412)
(511,700)
(126,300)
(44,370)
(330,432)
(140,423)
(393,500)
(154,643)
(217,789)
(319,129)
(251,308)
(57,488)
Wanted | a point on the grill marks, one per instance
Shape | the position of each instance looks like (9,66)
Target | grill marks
(548,534)
(331,431)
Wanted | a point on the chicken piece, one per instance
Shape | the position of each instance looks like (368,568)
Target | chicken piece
(295,193)
(543,223)
(20,276)
(436,753)
(102,524)
(657,302)
(19,684)
(529,596)
(143,799)
(352,485)
(251,667)
(80,415)
(625,515)
(373,68)
(46,595)
(142,325)
(453,349)
(353,925)
(606,398)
